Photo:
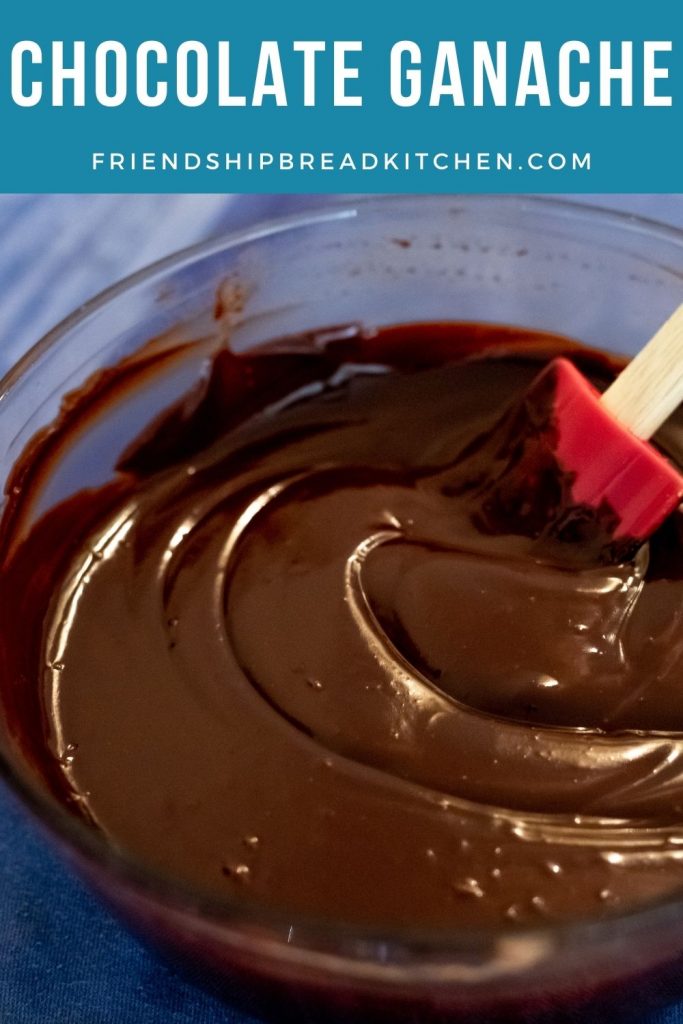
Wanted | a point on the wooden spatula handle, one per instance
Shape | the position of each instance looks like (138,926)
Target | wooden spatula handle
(651,387)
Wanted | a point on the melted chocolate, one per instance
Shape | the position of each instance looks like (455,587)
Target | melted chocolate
(300,647)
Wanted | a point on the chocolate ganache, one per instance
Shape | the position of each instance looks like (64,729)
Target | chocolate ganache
(299,648)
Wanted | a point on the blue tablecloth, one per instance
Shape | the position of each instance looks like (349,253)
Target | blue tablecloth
(63,959)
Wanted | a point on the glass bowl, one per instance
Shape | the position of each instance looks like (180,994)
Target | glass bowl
(604,278)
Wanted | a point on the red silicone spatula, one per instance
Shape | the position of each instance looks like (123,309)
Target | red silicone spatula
(601,441)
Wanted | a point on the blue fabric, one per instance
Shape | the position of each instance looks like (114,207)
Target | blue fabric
(64,959)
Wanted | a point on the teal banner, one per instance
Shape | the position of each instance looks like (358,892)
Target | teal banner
(354,97)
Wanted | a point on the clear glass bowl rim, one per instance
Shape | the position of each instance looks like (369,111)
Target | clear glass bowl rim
(316,933)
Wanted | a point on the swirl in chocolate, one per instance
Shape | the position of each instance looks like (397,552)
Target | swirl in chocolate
(289,649)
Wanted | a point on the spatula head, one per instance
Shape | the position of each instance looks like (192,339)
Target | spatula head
(560,469)
(608,466)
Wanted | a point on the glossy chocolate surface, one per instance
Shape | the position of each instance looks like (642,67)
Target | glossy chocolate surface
(299,647)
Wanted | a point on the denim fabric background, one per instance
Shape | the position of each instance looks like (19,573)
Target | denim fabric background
(63,959)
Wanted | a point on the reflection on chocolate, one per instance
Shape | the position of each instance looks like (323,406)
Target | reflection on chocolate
(283,654)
